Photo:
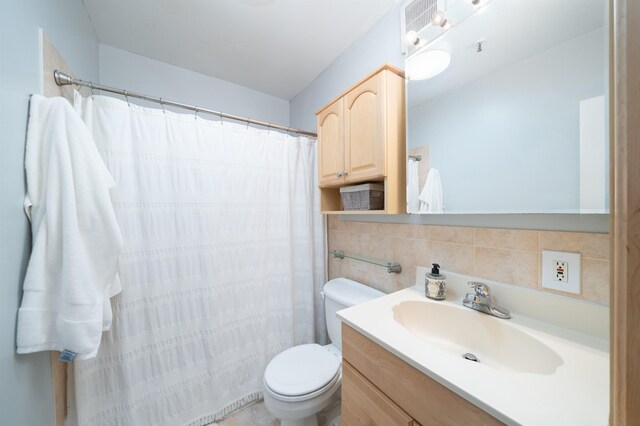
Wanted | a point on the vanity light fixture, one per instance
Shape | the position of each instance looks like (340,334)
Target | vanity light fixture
(427,64)
(440,20)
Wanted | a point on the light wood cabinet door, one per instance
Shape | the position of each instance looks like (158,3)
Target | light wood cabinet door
(418,395)
(365,131)
(364,405)
(331,144)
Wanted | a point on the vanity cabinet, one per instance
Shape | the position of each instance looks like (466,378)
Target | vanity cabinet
(364,404)
(378,388)
(361,138)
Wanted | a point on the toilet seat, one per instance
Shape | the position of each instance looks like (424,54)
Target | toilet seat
(301,373)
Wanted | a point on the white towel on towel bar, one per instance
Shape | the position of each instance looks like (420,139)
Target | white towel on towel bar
(76,238)
(432,197)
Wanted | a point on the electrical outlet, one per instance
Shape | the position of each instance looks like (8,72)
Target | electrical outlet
(555,271)
(561,271)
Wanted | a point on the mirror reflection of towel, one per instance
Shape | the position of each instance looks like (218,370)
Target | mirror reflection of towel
(431,197)
(413,187)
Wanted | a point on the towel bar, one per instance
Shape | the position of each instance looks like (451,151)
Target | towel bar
(392,267)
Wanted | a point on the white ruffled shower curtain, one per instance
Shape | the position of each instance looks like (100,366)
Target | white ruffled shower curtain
(223,253)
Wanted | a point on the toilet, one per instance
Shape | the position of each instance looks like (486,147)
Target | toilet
(303,380)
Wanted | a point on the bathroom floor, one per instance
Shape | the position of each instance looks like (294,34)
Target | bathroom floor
(257,415)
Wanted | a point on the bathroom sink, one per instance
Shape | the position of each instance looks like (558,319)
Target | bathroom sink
(459,331)
(544,356)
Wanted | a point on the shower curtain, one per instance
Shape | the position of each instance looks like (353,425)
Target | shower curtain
(223,254)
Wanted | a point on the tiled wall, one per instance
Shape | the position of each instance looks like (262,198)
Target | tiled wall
(504,255)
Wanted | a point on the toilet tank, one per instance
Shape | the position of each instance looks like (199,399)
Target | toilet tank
(341,293)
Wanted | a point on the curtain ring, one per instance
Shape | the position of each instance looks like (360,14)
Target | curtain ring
(162,104)
(196,114)
(126,96)
(92,93)
(221,123)
(247,124)
(268,128)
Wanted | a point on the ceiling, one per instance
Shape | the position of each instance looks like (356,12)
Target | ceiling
(511,31)
(273,46)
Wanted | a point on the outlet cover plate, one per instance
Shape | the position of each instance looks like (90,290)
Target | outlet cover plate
(572,261)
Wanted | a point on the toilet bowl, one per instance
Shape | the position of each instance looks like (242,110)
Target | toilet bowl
(303,380)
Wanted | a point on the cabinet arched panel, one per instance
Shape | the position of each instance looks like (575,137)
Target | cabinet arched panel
(331,150)
(358,94)
(364,131)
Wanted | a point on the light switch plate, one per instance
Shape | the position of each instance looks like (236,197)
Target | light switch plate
(570,266)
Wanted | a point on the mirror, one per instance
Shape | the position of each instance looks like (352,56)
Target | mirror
(518,121)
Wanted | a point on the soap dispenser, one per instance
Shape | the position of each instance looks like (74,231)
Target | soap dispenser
(435,284)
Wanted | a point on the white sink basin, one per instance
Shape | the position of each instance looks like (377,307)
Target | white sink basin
(459,330)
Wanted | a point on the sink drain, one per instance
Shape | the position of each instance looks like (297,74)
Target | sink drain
(471,357)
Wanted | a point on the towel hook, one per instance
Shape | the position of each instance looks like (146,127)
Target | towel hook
(126,96)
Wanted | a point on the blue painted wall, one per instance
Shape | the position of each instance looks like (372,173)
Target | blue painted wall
(379,45)
(25,391)
(126,70)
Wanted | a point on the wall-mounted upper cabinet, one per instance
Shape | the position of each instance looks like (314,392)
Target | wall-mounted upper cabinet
(361,138)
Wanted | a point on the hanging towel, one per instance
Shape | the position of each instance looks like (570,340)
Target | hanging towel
(82,107)
(431,197)
(76,238)
(413,187)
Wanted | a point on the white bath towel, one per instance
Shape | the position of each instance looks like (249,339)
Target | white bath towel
(82,106)
(76,238)
(431,196)
(413,187)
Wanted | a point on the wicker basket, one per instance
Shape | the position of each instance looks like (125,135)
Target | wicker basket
(368,196)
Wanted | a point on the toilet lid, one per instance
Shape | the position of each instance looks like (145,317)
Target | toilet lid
(301,370)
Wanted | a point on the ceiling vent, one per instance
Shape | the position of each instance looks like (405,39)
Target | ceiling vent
(416,15)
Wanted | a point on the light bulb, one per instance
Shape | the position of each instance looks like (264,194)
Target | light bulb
(438,18)
(412,38)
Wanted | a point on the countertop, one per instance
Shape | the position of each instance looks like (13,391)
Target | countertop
(576,393)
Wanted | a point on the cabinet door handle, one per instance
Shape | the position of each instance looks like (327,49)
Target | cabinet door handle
(338,174)
(345,173)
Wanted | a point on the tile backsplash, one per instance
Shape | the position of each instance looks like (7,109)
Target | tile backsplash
(505,255)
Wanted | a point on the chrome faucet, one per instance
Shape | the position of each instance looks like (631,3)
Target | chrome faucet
(482,301)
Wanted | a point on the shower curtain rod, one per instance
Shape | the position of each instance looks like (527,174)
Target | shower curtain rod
(63,79)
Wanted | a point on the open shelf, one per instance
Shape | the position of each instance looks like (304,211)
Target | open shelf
(331,202)
(354,212)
